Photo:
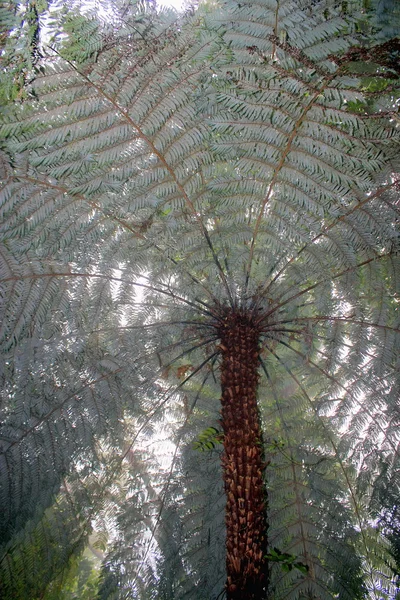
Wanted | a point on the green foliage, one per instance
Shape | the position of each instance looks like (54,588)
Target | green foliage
(286,561)
(80,583)
(20,27)
(208,439)
(164,166)
(78,30)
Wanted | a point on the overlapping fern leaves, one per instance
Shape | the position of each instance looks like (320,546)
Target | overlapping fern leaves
(162,170)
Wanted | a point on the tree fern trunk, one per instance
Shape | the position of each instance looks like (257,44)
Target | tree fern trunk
(246,525)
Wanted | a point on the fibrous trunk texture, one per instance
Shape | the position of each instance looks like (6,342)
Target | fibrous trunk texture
(246,524)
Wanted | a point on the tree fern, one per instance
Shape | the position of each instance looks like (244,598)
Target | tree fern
(172,181)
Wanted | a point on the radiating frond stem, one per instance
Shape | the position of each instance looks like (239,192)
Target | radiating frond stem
(343,468)
(372,388)
(325,230)
(143,357)
(339,384)
(269,329)
(151,325)
(42,420)
(286,150)
(350,347)
(70,274)
(81,197)
(318,283)
(185,352)
(123,223)
(197,282)
(306,554)
(171,469)
(165,400)
(125,114)
(350,320)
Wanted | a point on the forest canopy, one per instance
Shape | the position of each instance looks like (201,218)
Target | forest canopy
(199,271)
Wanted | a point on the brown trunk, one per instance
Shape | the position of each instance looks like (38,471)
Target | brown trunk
(246,525)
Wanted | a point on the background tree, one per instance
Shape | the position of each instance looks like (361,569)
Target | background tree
(179,193)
